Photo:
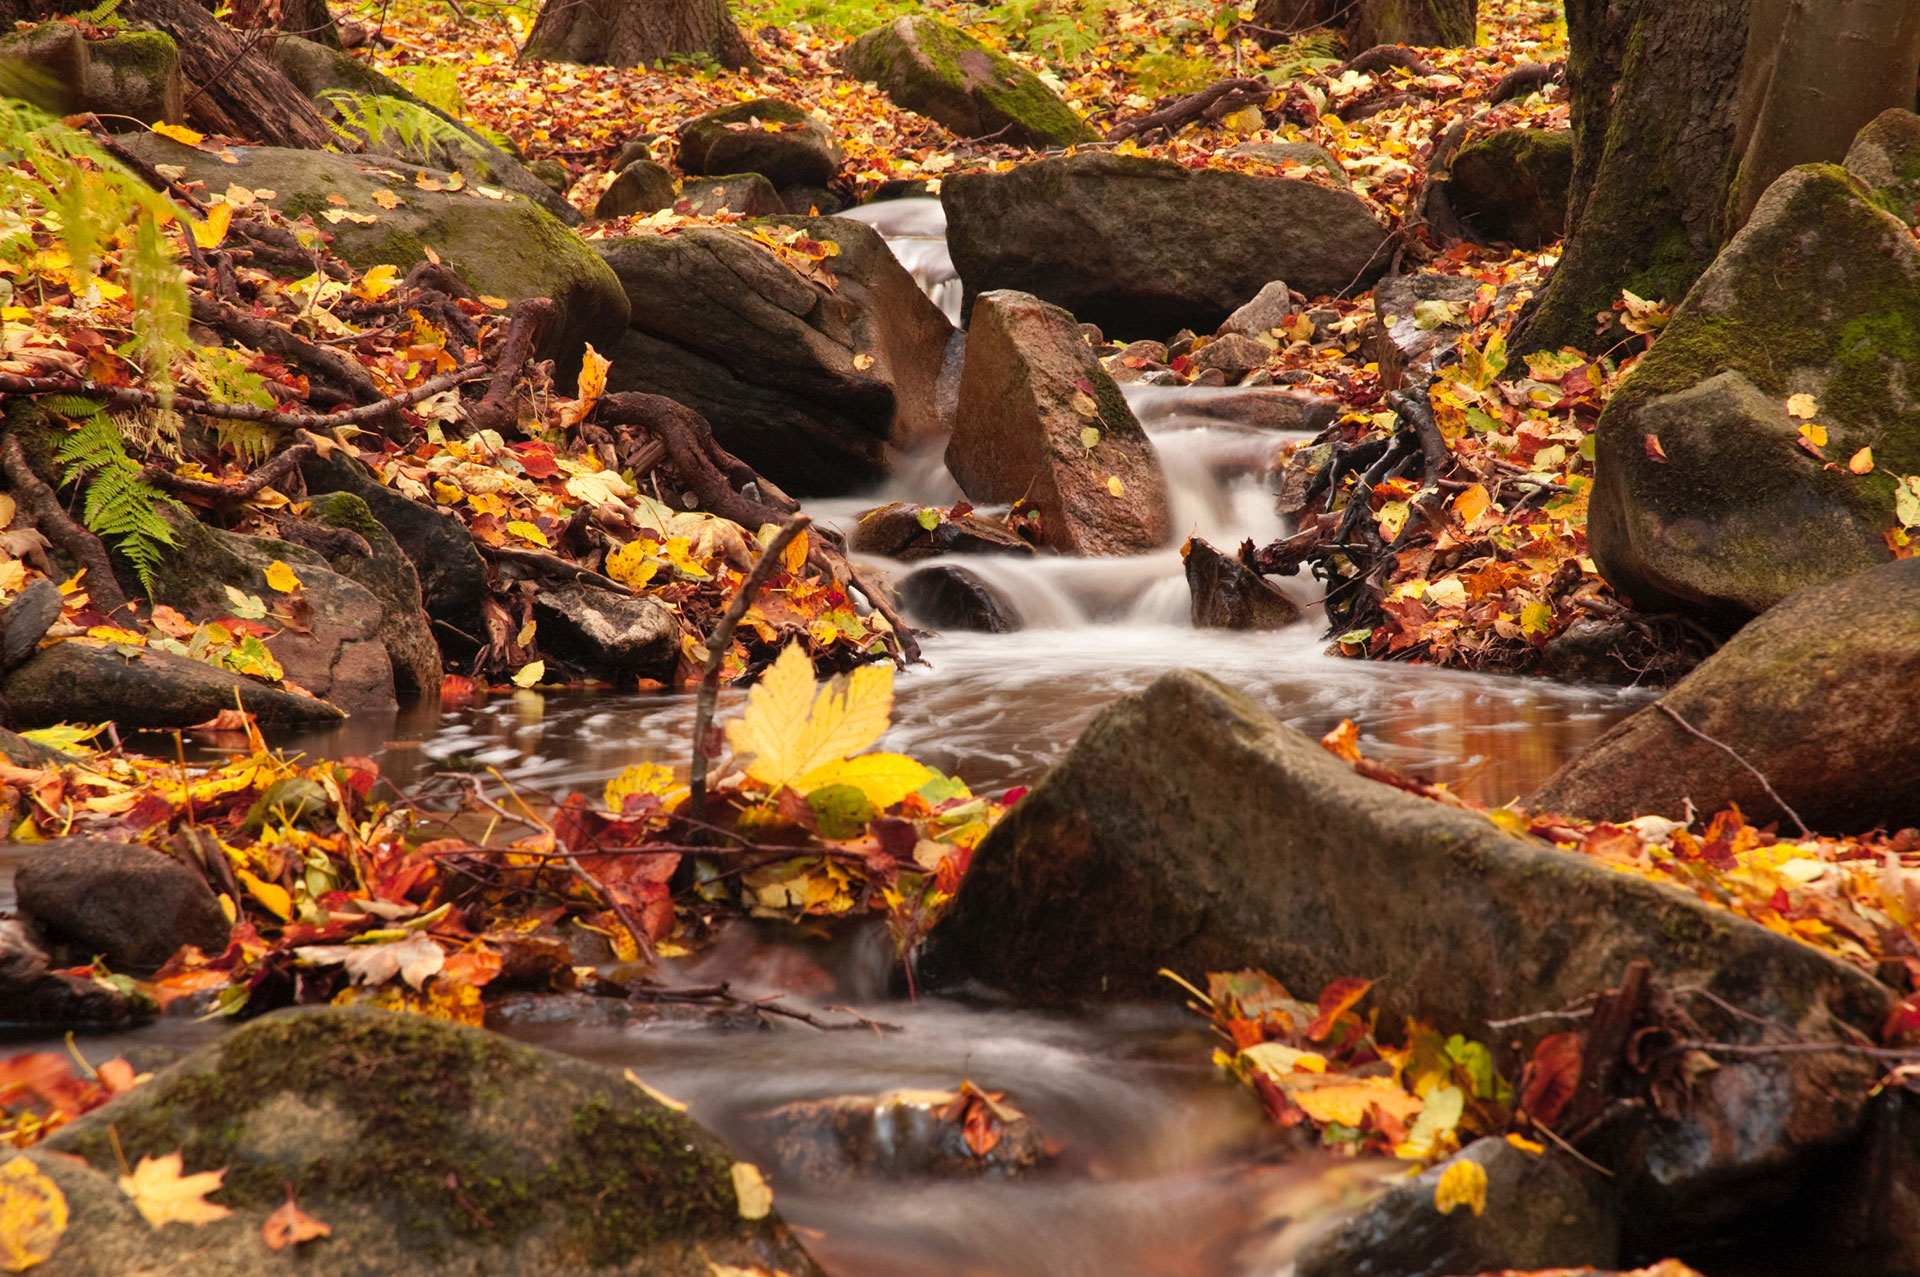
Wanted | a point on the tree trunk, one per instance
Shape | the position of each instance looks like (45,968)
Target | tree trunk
(310,20)
(1655,87)
(1296,16)
(231,87)
(635,32)
(1816,72)
(1426,23)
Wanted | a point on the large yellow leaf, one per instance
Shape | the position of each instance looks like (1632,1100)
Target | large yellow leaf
(644,778)
(845,722)
(1347,1102)
(777,711)
(884,778)
(33,1215)
(164,1195)
(1463,1183)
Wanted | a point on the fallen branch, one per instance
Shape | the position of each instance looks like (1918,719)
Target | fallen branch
(240,491)
(349,375)
(1208,102)
(1385,57)
(1734,754)
(130,397)
(717,644)
(42,507)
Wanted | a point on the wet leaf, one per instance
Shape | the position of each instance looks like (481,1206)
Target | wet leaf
(246,607)
(179,133)
(281,578)
(1906,501)
(1089,436)
(414,959)
(210,233)
(1814,434)
(1463,1183)
(530,673)
(927,517)
(1349,1101)
(884,779)
(289,1226)
(33,1216)
(1654,451)
(750,1187)
(790,729)
(1336,999)
(164,1195)
(528,532)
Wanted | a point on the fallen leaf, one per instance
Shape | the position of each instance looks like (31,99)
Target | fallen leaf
(756,1198)
(179,133)
(281,578)
(210,233)
(792,727)
(290,1226)
(1335,999)
(527,532)
(1861,461)
(1803,406)
(1089,436)
(415,959)
(1463,1183)
(1815,435)
(1654,451)
(33,1216)
(164,1195)
(1116,487)
(863,361)
(530,673)
(386,198)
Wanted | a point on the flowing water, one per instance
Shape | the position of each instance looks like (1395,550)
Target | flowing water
(1164,1167)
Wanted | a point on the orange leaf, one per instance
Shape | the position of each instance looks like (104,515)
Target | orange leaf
(1335,999)
(291,1225)
(1343,741)
(1550,1078)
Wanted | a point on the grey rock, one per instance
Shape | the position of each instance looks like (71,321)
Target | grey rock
(811,201)
(1270,307)
(607,635)
(947,596)
(389,575)
(802,151)
(1886,156)
(32,992)
(893,1136)
(1142,247)
(641,187)
(1510,187)
(1234,355)
(25,621)
(1309,153)
(144,688)
(129,905)
(747,194)
(135,77)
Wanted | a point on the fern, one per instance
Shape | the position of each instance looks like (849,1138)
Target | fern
(97,16)
(407,131)
(119,503)
(435,83)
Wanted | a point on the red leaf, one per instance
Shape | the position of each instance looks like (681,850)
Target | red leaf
(1335,1000)
(1550,1078)
(1654,451)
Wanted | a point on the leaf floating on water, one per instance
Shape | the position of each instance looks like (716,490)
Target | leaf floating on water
(164,1195)
(756,1198)
(790,728)
(33,1216)
(1463,1183)
(530,673)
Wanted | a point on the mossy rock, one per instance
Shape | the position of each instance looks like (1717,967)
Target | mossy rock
(1819,294)
(507,247)
(1310,153)
(1510,187)
(641,187)
(1886,156)
(799,150)
(47,66)
(937,70)
(325,75)
(388,574)
(428,1147)
(133,79)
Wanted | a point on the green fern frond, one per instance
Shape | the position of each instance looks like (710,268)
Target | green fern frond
(96,16)
(407,131)
(119,504)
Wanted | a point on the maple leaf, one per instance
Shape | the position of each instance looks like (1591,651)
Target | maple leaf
(1463,1183)
(791,727)
(163,1194)
(414,959)
(290,1226)
(33,1215)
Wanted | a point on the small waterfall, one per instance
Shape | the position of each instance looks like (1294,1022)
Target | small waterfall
(916,231)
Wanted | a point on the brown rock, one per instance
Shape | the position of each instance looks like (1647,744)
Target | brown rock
(748,194)
(1030,388)
(950,597)
(129,905)
(897,531)
(1234,355)
(1227,594)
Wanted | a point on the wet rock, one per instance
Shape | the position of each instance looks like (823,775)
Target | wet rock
(1730,516)
(1302,466)
(335,651)
(337,80)
(900,531)
(135,76)
(553,173)
(902,1134)
(1233,355)
(1227,594)
(811,201)
(1308,153)
(729,140)
(1542,1211)
(642,187)
(937,70)
(131,906)
(32,992)
(809,385)
(453,576)
(607,635)
(511,248)
(25,621)
(1886,156)
(428,1148)
(948,596)
(1636,652)
(1270,307)
(388,574)
(748,194)
(1030,388)
(1821,695)
(1510,187)
(1190,830)
(1873,1221)
(144,688)
(1143,247)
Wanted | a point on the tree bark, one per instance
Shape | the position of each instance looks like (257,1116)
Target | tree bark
(635,32)
(1294,16)
(1424,23)
(1817,71)
(1655,87)
(231,87)
(310,20)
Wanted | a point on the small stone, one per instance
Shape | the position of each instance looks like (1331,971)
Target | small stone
(641,187)
(1233,356)
(1270,307)
(130,905)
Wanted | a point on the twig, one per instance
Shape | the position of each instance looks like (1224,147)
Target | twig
(549,565)
(128,396)
(43,507)
(1577,1155)
(496,411)
(242,490)
(1734,754)
(723,993)
(717,644)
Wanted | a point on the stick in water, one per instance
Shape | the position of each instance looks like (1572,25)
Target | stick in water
(717,644)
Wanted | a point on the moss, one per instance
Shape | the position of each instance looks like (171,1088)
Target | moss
(149,54)
(940,71)
(635,1184)
(344,510)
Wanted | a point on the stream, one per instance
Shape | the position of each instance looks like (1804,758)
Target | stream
(1165,1167)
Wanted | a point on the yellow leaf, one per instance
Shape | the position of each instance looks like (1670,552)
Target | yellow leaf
(179,133)
(281,578)
(33,1215)
(164,1195)
(632,565)
(1116,487)
(1526,1145)
(756,1199)
(1279,1061)
(1348,1102)
(530,673)
(1802,406)
(1862,461)
(884,778)
(795,556)
(270,894)
(386,198)
(1463,1183)
(593,384)
(527,531)
(1084,405)
(1815,435)
(377,282)
(1536,618)
(863,361)
(642,778)
(210,233)
(658,1097)
(790,727)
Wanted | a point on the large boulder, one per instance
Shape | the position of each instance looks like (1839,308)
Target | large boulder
(778,140)
(511,247)
(135,77)
(1727,515)
(388,574)
(1510,187)
(937,70)
(416,130)
(1040,420)
(128,905)
(1143,247)
(425,1146)
(1821,696)
(139,687)
(333,649)
(807,383)
(1189,830)
(1886,156)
